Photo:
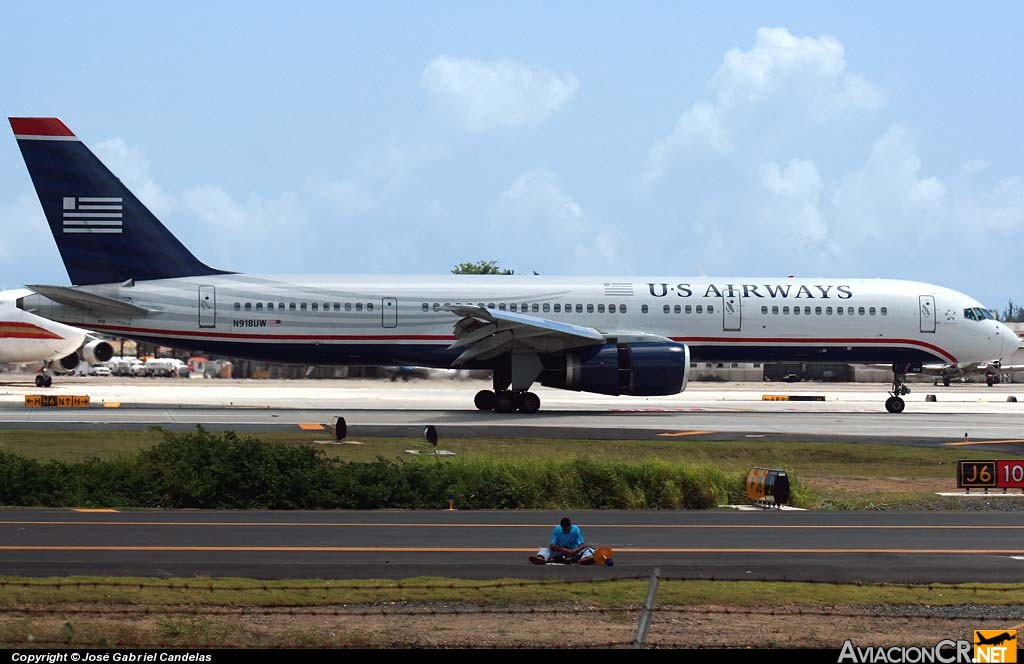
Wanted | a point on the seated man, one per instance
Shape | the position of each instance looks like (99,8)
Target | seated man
(567,546)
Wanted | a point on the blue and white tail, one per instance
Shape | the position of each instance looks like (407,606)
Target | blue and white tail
(104,233)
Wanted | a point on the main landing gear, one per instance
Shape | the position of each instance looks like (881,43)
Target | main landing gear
(44,379)
(511,391)
(507,401)
(895,404)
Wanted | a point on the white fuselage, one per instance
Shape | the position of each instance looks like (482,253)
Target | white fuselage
(25,337)
(388,320)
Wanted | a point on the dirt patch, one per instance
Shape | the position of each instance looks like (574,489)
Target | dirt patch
(461,625)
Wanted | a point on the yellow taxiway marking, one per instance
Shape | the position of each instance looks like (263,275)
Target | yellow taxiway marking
(111,404)
(456,549)
(961,443)
(670,526)
(684,433)
(95,510)
(311,427)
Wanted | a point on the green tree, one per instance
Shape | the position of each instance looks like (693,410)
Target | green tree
(480,267)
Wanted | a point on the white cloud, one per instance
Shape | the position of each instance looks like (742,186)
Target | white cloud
(130,165)
(485,96)
(783,79)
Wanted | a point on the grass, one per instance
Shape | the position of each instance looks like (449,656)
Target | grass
(226,592)
(831,475)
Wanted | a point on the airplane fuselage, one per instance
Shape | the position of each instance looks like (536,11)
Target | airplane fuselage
(402,320)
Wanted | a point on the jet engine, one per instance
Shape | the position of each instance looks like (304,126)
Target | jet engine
(638,369)
(96,352)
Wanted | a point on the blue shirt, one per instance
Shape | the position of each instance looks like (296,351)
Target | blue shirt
(571,540)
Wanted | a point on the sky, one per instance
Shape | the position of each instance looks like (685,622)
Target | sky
(869,139)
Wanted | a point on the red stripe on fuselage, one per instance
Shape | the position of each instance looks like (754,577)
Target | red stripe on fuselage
(19,330)
(39,127)
(875,341)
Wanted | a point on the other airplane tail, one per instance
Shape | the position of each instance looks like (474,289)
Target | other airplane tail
(103,232)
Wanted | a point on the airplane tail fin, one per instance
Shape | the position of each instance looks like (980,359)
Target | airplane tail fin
(103,232)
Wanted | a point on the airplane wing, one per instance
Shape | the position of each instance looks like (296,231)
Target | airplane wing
(486,333)
(80,299)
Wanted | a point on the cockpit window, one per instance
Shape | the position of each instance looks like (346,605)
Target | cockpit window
(977,313)
(969,314)
(985,313)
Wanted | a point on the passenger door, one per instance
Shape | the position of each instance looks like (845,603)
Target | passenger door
(927,313)
(207,306)
(731,312)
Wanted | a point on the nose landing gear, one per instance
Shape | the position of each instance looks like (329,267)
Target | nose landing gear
(895,403)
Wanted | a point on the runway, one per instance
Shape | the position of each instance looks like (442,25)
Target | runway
(377,408)
(818,546)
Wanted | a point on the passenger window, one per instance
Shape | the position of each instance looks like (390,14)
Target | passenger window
(590,308)
(677,309)
(501,306)
(291,306)
(314,306)
(807,311)
(579,308)
(513,307)
(259,306)
(711,309)
(884,311)
(238,306)
(337,307)
(775,311)
(828,311)
(280,306)
(600,308)
(490,305)
(688,309)
(534,308)
(248,306)
(666,309)
(817,311)
(764,309)
(558,308)
(871,311)
(860,311)
(839,310)
(622,308)
(796,311)
(698,309)
(547,307)
(369,306)
(849,311)
(785,311)
(302,306)
(611,308)
(359,306)
(426,307)
(644,308)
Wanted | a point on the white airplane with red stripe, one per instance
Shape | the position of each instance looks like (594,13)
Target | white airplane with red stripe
(607,335)
(25,338)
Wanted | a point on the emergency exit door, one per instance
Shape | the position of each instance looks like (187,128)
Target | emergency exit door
(389,312)
(207,306)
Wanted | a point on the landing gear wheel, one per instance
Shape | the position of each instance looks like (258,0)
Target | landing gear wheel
(39,381)
(505,402)
(529,403)
(895,405)
(47,381)
(945,381)
(485,400)
(990,381)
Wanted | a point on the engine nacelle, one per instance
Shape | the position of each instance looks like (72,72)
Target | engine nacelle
(69,362)
(96,352)
(639,369)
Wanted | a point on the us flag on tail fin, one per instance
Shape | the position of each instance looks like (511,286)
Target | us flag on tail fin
(92,214)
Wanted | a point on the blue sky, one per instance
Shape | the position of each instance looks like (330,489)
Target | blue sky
(826,139)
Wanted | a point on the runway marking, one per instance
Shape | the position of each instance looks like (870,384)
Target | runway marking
(111,404)
(961,443)
(453,549)
(311,427)
(94,510)
(684,433)
(662,526)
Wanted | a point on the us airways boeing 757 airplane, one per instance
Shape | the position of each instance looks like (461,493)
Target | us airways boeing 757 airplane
(609,335)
